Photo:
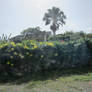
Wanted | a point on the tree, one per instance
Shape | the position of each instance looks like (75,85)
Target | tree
(55,17)
(35,34)
(31,31)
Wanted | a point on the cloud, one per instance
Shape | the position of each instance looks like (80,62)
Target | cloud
(71,25)
(88,30)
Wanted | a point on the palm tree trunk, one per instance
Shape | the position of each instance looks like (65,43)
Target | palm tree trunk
(45,38)
(54,35)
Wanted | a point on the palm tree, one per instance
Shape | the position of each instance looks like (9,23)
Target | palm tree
(55,17)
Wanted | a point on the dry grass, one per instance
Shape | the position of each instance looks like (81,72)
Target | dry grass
(68,82)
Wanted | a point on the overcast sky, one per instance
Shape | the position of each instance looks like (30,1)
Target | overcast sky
(17,15)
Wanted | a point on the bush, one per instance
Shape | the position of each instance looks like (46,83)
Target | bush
(30,56)
(69,36)
(89,45)
(68,55)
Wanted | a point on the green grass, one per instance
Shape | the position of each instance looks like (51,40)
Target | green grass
(72,80)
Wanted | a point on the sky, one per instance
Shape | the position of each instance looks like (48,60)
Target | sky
(17,15)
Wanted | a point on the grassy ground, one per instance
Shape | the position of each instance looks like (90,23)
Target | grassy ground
(72,80)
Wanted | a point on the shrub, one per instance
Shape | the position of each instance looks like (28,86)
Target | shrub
(69,36)
(89,45)
(31,56)
(68,55)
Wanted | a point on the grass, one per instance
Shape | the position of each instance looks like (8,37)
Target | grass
(72,80)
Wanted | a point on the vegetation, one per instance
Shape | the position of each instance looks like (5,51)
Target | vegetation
(71,80)
(70,36)
(32,34)
(45,61)
(32,56)
(55,17)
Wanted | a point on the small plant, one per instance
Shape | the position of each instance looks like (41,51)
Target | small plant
(4,38)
